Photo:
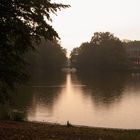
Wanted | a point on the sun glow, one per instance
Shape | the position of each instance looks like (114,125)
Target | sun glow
(78,23)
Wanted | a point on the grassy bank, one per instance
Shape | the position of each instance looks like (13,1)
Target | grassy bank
(43,131)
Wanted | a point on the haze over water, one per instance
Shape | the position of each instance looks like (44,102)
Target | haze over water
(110,100)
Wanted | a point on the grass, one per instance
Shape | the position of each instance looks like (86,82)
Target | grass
(10,130)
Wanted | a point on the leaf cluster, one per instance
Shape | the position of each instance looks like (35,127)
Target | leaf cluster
(23,23)
(103,52)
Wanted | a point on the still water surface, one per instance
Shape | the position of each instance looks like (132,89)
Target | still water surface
(110,100)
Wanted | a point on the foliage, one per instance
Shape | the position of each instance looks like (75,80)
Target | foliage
(103,52)
(133,50)
(132,43)
(51,57)
(22,25)
(73,56)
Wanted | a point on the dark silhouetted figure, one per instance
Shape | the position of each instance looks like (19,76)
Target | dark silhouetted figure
(68,124)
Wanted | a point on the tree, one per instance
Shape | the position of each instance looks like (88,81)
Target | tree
(73,56)
(22,25)
(51,57)
(103,52)
(133,50)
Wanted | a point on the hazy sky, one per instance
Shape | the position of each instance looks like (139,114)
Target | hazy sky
(78,23)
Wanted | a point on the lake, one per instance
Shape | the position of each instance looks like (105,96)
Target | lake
(100,100)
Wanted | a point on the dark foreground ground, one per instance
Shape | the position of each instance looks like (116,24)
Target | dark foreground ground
(43,131)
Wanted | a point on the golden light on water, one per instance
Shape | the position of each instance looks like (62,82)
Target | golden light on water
(80,104)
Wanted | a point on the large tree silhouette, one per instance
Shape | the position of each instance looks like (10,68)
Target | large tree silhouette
(22,25)
(103,52)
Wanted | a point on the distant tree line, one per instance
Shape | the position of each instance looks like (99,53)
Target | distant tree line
(49,57)
(104,52)
(129,43)
(133,49)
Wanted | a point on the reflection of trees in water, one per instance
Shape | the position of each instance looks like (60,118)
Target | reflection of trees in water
(46,97)
(17,101)
(52,78)
(133,84)
(47,92)
(104,88)
(28,97)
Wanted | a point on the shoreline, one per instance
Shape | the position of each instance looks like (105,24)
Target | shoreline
(52,131)
(83,126)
